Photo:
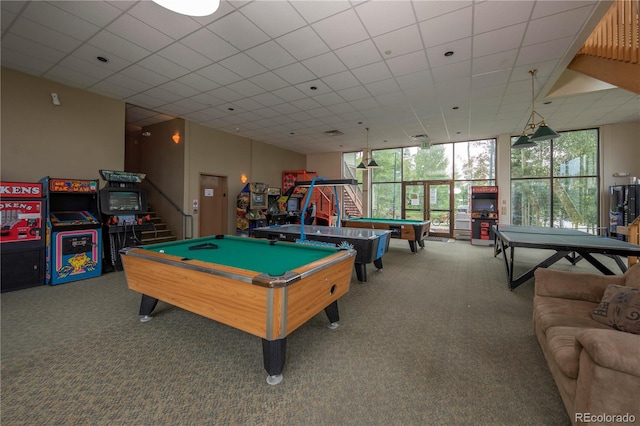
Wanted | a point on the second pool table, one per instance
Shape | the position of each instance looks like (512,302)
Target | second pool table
(415,231)
(265,288)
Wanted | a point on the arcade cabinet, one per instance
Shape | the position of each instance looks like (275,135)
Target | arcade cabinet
(251,207)
(275,215)
(73,231)
(124,214)
(484,214)
(22,243)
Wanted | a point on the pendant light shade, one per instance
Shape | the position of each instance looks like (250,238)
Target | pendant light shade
(361,166)
(372,164)
(523,142)
(541,132)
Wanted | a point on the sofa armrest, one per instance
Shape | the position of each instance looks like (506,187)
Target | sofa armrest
(571,285)
(612,349)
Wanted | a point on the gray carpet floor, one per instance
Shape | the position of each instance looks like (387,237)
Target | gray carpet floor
(433,338)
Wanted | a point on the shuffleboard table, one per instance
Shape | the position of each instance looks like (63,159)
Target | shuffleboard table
(265,288)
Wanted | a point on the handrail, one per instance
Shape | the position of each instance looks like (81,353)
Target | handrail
(616,36)
(354,192)
(185,217)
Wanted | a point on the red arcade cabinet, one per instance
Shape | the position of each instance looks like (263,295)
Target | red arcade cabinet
(74,234)
(484,214)
(22,248)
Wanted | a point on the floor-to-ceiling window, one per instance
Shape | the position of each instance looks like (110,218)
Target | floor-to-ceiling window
(463,164)
(555,183)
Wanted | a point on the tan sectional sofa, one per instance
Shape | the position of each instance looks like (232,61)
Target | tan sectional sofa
(595,366)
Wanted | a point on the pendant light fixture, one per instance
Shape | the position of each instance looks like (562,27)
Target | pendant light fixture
(372,163)
(541,132)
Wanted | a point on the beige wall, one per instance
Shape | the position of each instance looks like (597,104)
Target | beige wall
(209,151)
(73,140)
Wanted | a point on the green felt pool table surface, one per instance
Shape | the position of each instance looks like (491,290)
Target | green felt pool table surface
(272,258)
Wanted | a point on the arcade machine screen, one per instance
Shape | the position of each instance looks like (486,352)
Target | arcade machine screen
(70,216)
(125,201)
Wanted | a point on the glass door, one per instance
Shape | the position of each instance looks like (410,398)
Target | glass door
(413,206)
(439,202)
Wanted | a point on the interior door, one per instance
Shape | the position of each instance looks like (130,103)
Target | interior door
(213,205)
(439,202)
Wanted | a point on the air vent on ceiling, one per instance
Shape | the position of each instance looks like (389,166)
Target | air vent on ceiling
(333,133)
(420,138)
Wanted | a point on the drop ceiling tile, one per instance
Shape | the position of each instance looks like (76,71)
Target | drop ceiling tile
(31,48)
(180,54)
(408,64)
(447,28)
(305,104)
(219,74)
(315,10)
(501,40)
(110,43)
(170,23)
(341,30)
(275,18)
(325,64)
(247,105)
(246,88)
(163,66)
(267,99)
(225,94)
(359,54)
(208,99)
(461,52)
(139,33)
(382,87)
(372,72)
(289,94)
(399,42)
(71,77)
(198,82)
(496,62)
(545,8)
(269,81)
(303,43)
(543,51)
(111,90)
(385,16)
(209,44)
(132,84)
(271,55)
(243,65)
(46,36)
(236,29)
(556,26)
(341,80)
(98,13)
(59,20)
(354,93)
(510,13)
(328,99)
(433,8)
(178,88)
(295,73)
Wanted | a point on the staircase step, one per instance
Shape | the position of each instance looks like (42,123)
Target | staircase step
(156,233)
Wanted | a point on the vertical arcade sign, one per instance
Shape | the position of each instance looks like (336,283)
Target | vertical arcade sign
(20,212)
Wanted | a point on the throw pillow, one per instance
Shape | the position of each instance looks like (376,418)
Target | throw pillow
(619,308)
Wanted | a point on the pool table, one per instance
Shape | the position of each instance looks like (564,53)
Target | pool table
(413,230)
(370,244)
(265,288)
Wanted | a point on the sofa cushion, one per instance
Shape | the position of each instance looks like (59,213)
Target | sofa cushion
(553,312)
(563,349)
(619,308)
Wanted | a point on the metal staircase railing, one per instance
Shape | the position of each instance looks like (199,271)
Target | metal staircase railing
(353,192)
(187,219)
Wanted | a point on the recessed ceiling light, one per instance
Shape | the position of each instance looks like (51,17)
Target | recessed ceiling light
(448,53)
(102,59)
(455,108)
(313,88)
(387,52)
(231,109)
(546,102)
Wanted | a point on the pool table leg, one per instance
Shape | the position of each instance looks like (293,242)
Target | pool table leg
(274,353)
(361,272)
(147,305)
(412,245)
(421,243)
(378,263)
